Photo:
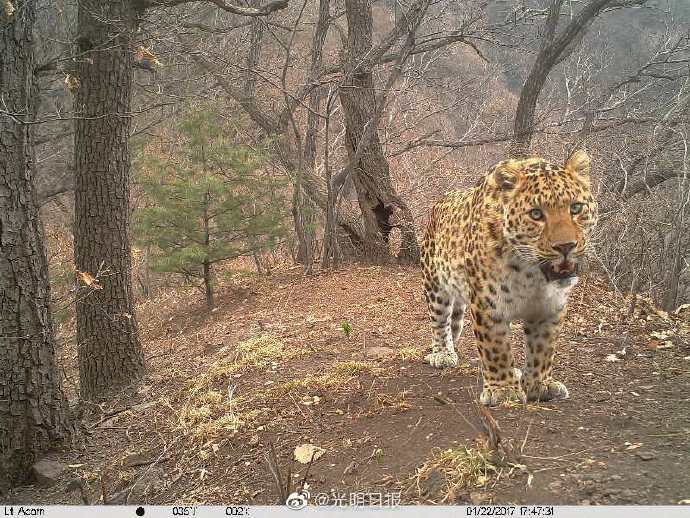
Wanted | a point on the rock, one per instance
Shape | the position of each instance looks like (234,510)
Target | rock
(136,459)
(646,455)
(46,472)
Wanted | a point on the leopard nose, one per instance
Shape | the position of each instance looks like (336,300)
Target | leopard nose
(565,248)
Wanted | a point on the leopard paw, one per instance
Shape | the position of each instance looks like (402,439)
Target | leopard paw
(442,359)
(546,391)
(492,396)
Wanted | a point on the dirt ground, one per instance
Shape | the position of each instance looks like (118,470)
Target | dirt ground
(335,360)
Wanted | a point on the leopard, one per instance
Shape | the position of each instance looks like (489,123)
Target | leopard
(510,249)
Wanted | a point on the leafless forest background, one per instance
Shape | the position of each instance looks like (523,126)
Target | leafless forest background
(350,117)
(446,110)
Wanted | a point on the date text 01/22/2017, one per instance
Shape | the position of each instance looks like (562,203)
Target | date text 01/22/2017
(510,510)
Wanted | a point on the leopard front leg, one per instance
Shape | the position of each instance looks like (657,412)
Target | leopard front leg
(500,377)
(537,380)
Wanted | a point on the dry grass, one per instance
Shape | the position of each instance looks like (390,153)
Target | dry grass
(355,368)
(410,354)
(255,353)
(449,473)
(335,378)
(212,409)
(396,402)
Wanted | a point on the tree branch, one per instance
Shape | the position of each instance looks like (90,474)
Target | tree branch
(264,10)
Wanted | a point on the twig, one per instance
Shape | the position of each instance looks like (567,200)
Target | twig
(109,415)
(491,428)
(272,461)
(524,443)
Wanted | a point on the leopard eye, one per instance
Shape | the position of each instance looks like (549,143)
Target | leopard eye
(536,214)
(576,208)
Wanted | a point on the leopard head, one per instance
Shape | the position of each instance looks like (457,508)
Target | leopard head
(547,211)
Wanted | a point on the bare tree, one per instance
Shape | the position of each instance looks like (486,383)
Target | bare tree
(33,409)
(110,353)
(378,201)
(555,48)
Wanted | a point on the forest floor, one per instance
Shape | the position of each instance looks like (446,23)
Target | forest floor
(272,365)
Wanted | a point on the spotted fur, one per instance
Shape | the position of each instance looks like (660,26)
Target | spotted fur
(508,249)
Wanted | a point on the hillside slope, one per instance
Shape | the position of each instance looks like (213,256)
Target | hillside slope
(273,365)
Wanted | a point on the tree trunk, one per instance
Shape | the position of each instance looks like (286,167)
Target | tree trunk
(208,284)
(382,210)
(110,354)
(554,50)
(33,409)
(305,208)
(674,255)
(206,266)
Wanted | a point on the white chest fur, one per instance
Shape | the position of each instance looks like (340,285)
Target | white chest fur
(531,297)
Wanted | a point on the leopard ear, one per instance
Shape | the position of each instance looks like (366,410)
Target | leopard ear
(579,163)
(504,176)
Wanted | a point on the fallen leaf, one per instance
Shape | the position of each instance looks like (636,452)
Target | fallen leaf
(681,308)
(654,344)
(632,446)
(72,83)
(9,9)
(304,453)
(612,358)
(89,280)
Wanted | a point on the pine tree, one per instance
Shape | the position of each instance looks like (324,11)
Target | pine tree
(211,201)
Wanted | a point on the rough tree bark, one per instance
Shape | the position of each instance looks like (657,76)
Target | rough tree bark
(305,208)
(555,48)
(110,353)
(382,209)
(33,409)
